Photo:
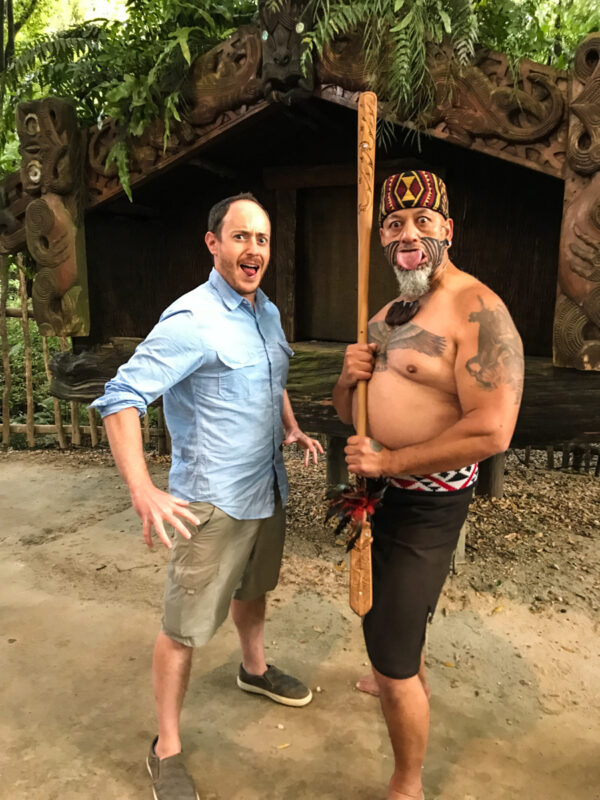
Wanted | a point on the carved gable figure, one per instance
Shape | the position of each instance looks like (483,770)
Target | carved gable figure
(283,78)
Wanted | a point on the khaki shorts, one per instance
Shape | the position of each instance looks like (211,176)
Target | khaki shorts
(225,558)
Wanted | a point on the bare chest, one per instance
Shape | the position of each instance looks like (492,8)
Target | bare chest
(423,353)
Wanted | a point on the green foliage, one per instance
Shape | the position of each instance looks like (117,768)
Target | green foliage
(43,405)
(543,31)
(132,72)
(43,408)
(396,34)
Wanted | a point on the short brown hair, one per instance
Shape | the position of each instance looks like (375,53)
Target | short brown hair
(217,213)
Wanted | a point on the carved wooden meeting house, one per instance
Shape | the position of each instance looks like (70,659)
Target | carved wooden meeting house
(520,156)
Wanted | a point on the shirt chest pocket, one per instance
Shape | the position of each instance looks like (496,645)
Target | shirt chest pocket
(237,370)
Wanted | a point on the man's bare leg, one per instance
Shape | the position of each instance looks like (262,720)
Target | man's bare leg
(368,683)
(170,675)
(406,710)
(249,619)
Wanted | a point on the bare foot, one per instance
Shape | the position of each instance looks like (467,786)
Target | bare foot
(403,796)
(368,685)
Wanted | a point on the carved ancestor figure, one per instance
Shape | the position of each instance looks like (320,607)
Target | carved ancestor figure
(577,317)
(58,248)
(282,74)
(51,174)
(224,78)
(584,131)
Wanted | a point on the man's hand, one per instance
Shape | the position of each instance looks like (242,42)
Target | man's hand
(310,446)
(365,456)
(155,507)
(359,362)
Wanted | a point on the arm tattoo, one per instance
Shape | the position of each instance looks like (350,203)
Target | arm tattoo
(499,358)
(403,337)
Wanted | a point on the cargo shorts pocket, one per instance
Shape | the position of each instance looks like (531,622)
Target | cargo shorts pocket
(195,562)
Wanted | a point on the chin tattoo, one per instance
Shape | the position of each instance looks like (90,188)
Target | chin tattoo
(435,250)
(414,283)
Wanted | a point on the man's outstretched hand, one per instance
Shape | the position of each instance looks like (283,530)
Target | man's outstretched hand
(155,507)
(310,446)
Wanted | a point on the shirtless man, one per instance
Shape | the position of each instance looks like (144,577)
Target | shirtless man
(445,370)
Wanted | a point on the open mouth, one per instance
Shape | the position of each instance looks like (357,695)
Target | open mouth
(249,269)
(410,259)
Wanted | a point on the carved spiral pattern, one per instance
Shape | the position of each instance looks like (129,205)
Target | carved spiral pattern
(569,325)
(48,249)
(587,57)
(47,304)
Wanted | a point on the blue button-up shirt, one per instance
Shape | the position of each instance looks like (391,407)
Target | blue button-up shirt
(221,368)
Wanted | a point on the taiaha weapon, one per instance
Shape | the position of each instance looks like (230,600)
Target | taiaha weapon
(361,581)
(356,505)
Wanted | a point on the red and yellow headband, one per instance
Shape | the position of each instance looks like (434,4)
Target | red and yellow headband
(415,188)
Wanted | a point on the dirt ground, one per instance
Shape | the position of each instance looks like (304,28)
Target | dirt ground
(512,654)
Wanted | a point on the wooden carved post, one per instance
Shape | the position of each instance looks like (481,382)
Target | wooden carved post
(577,316)
(52,175)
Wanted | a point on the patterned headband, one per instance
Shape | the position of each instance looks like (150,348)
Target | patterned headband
(415,188)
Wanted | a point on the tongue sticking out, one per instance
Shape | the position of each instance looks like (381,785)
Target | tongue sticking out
(249,271)
(409,259)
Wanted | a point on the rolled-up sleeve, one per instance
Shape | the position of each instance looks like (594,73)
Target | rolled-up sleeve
(171,351)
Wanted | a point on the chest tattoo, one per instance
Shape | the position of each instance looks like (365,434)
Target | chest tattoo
(403,337)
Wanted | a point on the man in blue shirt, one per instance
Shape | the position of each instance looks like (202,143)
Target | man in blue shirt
(219,358)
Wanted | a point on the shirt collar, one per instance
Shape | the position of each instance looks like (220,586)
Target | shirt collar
(229,295)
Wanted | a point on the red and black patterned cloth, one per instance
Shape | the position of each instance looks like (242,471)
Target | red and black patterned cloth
(451,480)
(415,188)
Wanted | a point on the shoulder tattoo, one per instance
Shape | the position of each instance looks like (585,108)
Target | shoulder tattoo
(499,359)
(403,337)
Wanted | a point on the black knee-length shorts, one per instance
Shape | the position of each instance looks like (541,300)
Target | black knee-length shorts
(414,536)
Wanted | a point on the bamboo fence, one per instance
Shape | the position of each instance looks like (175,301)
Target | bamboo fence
(68,434)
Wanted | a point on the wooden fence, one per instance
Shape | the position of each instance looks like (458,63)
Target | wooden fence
(67,426)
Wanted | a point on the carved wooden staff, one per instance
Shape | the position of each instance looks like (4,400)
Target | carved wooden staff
(361,589)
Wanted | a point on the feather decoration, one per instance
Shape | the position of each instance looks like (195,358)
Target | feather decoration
(349,504)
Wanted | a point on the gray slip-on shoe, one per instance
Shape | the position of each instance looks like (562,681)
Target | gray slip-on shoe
(276,685)
(170,778)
